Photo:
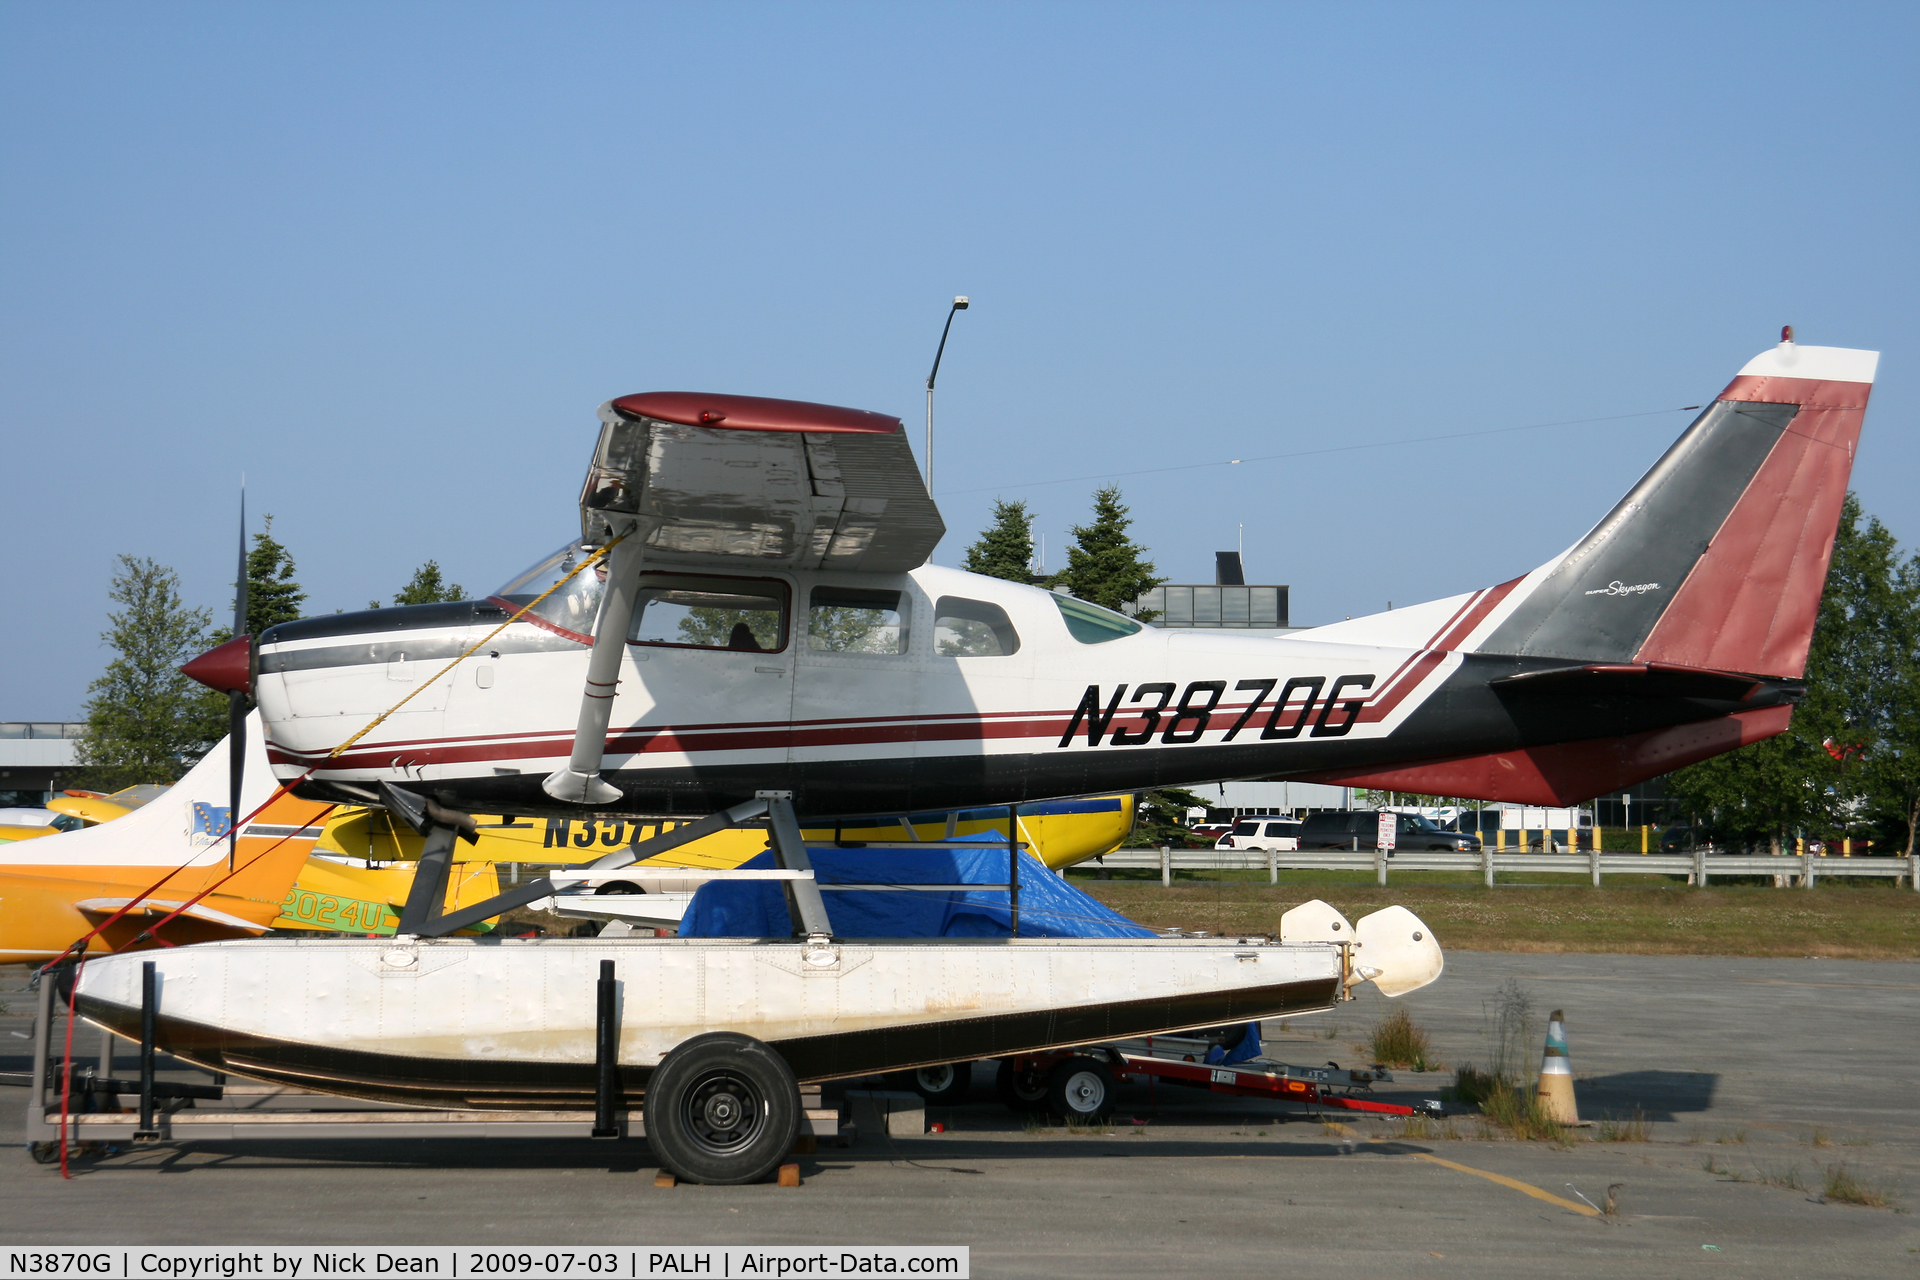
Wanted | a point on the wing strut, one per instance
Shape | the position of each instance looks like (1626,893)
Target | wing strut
(580,782)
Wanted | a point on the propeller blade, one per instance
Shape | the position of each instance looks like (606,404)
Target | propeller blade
(237,700)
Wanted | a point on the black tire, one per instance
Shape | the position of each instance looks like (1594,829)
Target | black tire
(1019,1090)
(945,1085)
(1081,1089)
(44,1152)
(618,886)
(722,1109)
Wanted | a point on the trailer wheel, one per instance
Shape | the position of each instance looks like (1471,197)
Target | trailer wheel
(946,1085)
(1081,1089)
(1021,1089)
(722,1109)
(43,1152)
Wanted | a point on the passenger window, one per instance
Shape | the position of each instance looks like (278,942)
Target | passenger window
(965,628)
(1276,829)
(1247,829)
(856,620)
(748,615)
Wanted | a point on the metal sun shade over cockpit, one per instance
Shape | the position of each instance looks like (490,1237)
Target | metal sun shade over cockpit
(741,483)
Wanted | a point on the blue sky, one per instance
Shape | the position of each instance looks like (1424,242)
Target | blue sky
(387,259)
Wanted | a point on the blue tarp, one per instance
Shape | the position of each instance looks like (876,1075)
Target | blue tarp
(1049,906)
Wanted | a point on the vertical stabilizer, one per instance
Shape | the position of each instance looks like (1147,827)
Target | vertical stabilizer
(1717,557)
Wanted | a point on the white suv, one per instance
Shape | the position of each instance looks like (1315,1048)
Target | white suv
(1279,834)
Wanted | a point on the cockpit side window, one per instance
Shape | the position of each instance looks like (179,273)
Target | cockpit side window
(675,610)
(856,620)
(964,628)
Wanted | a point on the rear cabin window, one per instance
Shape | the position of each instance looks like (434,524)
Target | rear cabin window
(964,628)
(856,620)
(1247,829)
(1324,824)
(747,615)
(1277,829)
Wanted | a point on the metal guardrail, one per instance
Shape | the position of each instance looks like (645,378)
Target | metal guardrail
(1700,867)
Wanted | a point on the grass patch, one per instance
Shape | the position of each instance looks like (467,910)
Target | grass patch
(1848,1187)
(1788,1178)
(1858,920)
(1398,1042)
(1521,1114)
(1420,1127)
(1633,1128)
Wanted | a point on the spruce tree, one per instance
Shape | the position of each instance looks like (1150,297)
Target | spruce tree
(1104,565)
(145,721)
(1005,549)
(429,587)
(273,596)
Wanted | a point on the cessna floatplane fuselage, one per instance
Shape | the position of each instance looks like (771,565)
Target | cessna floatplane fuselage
(748,629)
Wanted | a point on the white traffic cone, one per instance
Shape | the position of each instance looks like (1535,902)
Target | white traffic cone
(1556,1074)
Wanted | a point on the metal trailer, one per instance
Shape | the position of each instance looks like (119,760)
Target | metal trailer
(1078,1083)
(222,1110)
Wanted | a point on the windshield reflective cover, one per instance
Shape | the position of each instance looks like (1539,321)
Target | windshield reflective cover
(570,610)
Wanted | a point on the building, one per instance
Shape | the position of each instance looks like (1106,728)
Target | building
(1229,601)
(35,757)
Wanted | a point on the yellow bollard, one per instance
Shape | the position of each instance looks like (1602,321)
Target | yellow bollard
(1799,846)
(1846,847)
(1500,839)
(1643,838)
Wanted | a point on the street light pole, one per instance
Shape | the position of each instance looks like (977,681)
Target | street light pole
(959,304)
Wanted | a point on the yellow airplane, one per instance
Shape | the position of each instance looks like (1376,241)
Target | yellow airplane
(1060,833)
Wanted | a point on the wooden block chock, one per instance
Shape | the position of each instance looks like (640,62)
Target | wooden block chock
(664,1179)
(789,1175)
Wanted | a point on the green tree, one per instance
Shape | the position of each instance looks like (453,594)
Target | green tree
(273,596)
(1859,679)
(145,721)
(429,587)
(1160,817)
(1104,565)
(1005,549)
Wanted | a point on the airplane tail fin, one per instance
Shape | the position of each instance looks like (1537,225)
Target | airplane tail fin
(1717,557)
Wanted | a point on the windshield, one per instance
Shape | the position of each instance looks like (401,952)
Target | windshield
(570,610)
(1090,624)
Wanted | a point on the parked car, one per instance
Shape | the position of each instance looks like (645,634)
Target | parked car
(1280,834)
(1208,833)
(1360,828)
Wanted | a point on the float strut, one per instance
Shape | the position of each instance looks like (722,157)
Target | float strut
(606,1054)
(149,1011)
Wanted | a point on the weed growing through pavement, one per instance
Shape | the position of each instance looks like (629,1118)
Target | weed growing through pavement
(1425,1128)
(1332,1032)
(1523,1114)
(1633,1128)
(1082,1128)
(1037,1123)
(1471,1085)
(1848,1187)
(1773,1176)
(1818,1138)
(1738,1137)
(1856,1141)
(1398,1042)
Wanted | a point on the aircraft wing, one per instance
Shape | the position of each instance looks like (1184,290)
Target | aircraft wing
(721,481)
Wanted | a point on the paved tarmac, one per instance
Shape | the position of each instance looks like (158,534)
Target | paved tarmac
(1747,1070)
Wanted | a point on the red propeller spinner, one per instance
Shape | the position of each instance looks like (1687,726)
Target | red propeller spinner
(228,668)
